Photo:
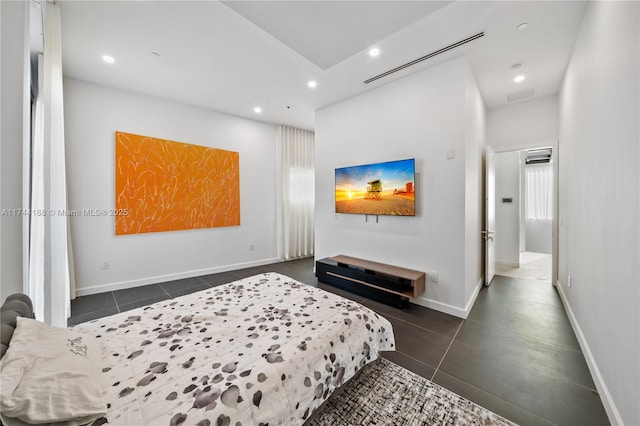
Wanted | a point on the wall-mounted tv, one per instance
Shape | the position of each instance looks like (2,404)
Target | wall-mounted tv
(377,189)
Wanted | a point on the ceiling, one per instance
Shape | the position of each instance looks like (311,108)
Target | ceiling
(234,56)
(328,32)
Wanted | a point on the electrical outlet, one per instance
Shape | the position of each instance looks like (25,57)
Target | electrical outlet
(252,247)
(434,277)
(105,264)
(569,281)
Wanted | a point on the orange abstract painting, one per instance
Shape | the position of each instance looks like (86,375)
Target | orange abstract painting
(163,185)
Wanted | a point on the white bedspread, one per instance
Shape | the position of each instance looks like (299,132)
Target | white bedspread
(265,349)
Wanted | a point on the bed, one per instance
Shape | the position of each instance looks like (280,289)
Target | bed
(263,350)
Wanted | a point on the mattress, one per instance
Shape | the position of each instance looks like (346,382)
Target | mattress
(263,350)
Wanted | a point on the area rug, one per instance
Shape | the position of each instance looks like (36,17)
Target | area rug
(386,394)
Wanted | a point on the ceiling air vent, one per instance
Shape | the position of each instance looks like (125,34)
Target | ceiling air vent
(518,96)
(538,156)
(425,57)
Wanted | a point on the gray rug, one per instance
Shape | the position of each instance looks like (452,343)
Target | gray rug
(386,394)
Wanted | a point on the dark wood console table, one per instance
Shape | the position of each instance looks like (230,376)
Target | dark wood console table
(386,283)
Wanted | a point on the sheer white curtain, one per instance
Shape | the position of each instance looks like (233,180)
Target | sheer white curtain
(538,190)
(296,192)
(50,272)
(36,268)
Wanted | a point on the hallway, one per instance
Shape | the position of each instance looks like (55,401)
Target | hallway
(517,354)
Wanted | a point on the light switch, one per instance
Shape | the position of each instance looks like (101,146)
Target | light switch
(451,154)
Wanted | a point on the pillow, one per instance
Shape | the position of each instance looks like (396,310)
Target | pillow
(51,374)
(16,305)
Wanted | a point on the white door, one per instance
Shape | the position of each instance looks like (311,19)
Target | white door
(490,218)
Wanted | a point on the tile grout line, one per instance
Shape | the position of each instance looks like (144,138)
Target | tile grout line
(496,397)
(447,351)
(115,300)
(566,379)
(199,277)
(203,280)
(538,339)
(414,359)
(165,291)
(413,324)
(233,272)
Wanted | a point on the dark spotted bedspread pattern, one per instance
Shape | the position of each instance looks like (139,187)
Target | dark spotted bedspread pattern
(263,350)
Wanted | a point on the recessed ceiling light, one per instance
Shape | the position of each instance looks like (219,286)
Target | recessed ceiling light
(257,110)
(516,66)
(312,84)
(374,52)
(522,26)
(108,59)
(519,78)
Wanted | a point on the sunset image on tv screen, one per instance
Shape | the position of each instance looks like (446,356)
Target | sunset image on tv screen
(377,189)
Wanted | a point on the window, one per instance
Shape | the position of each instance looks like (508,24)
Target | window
(538,192)
(296,199)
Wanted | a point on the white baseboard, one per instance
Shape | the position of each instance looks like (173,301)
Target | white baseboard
(507,263)
(451,309)
(605,395)
(456,311)
(102,288)
(474,296)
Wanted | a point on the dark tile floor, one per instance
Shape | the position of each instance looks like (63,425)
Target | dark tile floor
(516,354)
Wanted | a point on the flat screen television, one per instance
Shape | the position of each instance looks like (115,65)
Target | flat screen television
(377,189)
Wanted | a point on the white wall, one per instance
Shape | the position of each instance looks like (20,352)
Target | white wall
(599,244)
(475,128)
(420,116)
(507,235)
(92,115)
(14,133)
(524,124)
(523,233)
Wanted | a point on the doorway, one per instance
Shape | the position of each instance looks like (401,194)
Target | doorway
(525,209)
(533,267)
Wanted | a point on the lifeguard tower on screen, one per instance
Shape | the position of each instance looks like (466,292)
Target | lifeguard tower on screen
(408,189)
(374,190)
